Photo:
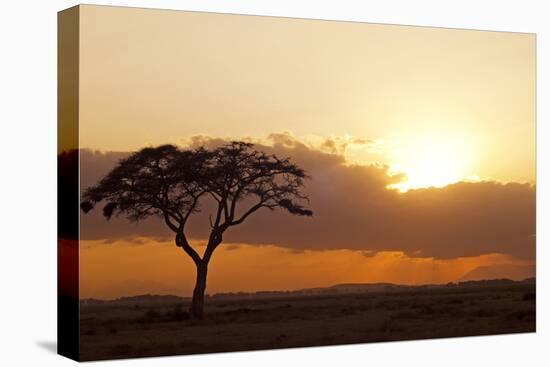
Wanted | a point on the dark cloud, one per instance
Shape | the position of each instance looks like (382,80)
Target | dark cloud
(354,209)
(130,239)
(330,145)
(339,146)
(232,247)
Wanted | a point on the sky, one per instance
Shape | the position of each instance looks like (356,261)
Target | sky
(420,143)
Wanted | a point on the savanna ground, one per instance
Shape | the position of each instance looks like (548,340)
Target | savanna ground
(145,329)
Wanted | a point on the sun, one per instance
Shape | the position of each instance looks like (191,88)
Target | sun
(431,162)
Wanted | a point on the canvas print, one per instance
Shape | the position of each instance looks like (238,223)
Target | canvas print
(233,183)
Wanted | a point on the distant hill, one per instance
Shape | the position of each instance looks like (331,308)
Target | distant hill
(493,282)
(351,288)
(509,271)
(346,288)
(131,300)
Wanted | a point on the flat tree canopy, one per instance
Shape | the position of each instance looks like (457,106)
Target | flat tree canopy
(169,182)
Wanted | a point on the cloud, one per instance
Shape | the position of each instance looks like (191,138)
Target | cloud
(231,247)
(354,209)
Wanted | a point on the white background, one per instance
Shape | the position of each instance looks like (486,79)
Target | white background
(28,179)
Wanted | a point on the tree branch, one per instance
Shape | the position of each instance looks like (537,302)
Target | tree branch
(181,241)
(216,237)
(247,213)
(169,222)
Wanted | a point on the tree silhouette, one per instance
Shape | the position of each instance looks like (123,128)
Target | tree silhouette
(170,183)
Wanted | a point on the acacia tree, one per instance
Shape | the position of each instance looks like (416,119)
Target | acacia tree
(171,183)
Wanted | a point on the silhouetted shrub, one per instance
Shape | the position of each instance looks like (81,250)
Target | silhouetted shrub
(286,305)
(150,315)
(241,311)
(348,311)
(445,309)
(403,315)
(178,313)
(427,309)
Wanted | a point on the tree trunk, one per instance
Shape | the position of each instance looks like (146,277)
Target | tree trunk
(196,310)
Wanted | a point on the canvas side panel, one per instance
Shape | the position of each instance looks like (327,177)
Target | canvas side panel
(68,183)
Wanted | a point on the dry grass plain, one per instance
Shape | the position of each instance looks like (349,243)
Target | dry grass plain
(146,327)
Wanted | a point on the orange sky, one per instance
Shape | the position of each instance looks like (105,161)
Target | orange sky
(460,99)
(373,110)
(140,266)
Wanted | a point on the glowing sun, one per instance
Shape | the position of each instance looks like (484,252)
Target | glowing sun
(431,162)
